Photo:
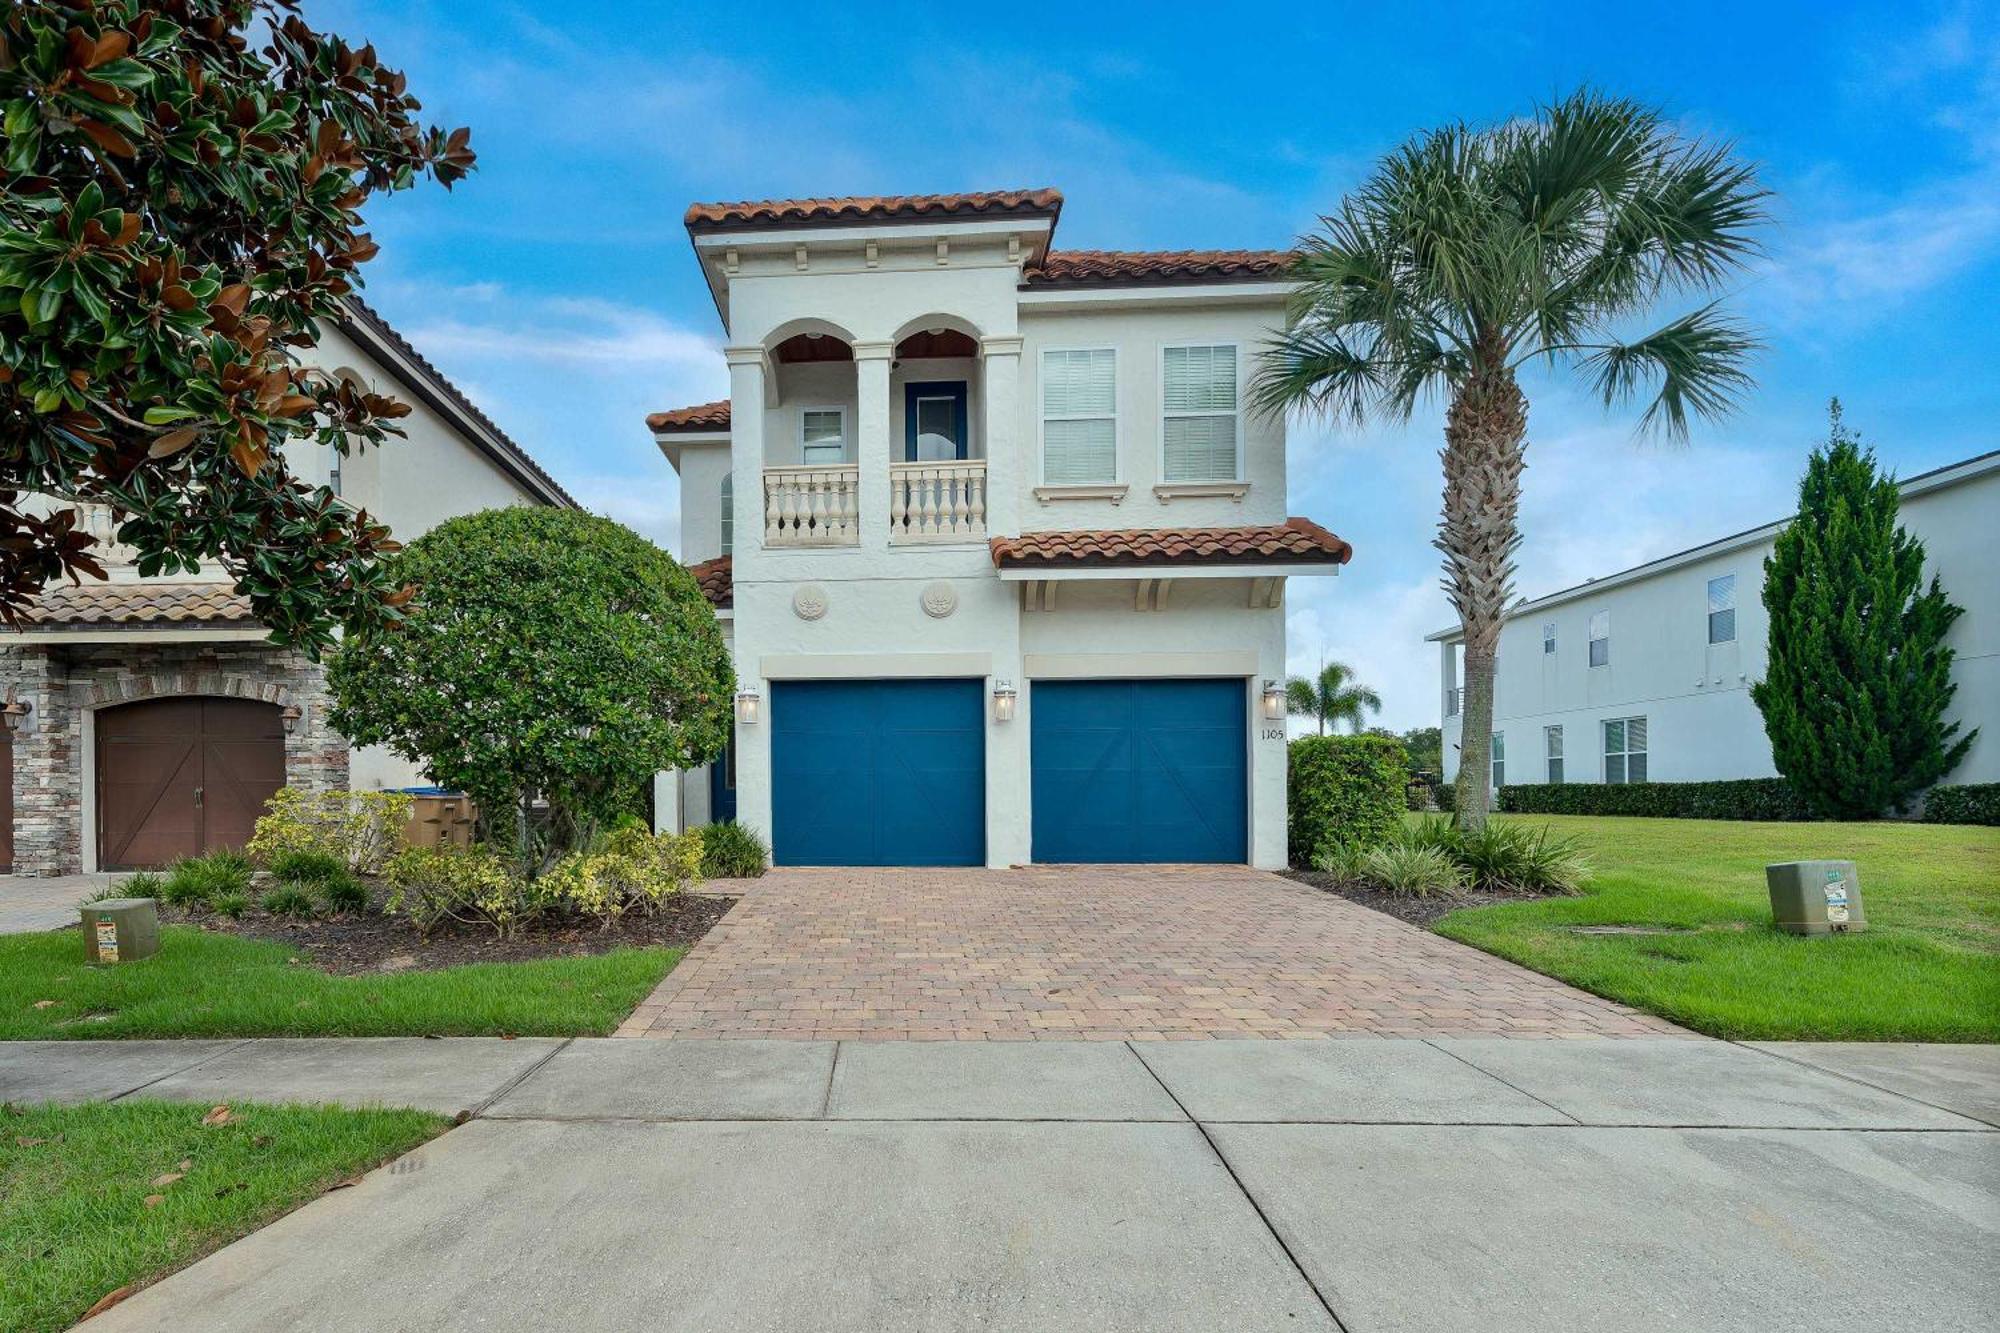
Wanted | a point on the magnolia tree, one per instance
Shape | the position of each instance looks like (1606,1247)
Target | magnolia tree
(184,184)
(553,657)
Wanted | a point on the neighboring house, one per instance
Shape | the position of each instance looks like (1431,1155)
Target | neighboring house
(1645,675)
(158,719)
(1001,553)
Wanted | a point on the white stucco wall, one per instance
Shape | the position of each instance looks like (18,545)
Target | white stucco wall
(1701,722)
(413,484)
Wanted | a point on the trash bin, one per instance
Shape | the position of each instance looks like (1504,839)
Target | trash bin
(439,818)
(1815,897)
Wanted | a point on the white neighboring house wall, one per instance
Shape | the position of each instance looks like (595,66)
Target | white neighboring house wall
(1701,724)
(451,460)
(872,286)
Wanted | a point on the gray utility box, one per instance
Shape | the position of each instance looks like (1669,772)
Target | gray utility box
(1816,897)
(118,930)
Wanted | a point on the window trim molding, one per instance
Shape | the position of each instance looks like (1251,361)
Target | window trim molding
(1604,751)
(1591,640)
(847,452)
(1117,477)
(1160,443)
(1710,613)
(1554,731)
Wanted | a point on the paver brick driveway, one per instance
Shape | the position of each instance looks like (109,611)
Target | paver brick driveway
(1119,952)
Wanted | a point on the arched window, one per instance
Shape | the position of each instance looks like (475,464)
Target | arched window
(728,511)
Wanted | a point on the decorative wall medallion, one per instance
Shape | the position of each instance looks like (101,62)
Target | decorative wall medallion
(809,602)
(939,600)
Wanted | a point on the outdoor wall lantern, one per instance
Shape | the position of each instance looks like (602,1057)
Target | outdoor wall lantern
(1274,700)
(14,712)
(1004,695)
(290,717)
(746,707)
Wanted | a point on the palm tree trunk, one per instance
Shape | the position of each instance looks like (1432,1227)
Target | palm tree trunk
(1485,441)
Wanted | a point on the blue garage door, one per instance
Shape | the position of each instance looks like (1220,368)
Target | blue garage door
(878,773)
(1140,770)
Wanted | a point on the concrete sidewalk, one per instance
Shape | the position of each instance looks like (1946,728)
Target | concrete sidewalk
(1357,1184)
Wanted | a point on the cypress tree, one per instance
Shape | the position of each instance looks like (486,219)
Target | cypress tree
(1859,676)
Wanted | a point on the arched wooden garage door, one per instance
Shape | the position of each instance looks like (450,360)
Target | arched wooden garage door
(179,777)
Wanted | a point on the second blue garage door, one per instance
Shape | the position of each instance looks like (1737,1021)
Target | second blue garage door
(1140,770)
(878,773)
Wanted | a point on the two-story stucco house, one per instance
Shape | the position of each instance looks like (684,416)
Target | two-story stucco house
(1645,674)
(150,718)
(1000,549)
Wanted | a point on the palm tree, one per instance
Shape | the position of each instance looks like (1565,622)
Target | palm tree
(1470,254)
(1331,698)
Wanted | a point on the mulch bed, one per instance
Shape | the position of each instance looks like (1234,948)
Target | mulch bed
(370,942)
(1417,911)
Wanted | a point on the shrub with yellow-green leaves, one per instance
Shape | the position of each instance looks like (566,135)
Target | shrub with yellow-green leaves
(472,886)
(360,828)
(635,870)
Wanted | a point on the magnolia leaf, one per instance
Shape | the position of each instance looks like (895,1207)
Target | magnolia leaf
(173,442)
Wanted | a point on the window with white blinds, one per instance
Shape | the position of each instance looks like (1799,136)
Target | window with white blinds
(823,435)
(1499,760)
(1625,749)
(1722,609)
(1600,638)
(1552,752)
(1199,409)
(728,502)
(1079,416)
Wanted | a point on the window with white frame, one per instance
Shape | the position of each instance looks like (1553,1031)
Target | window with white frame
(728,503)
(823,435)
(1722,609)
(1499,759)
(1079,416)
(1199,414)
(1600,638)
(1625,749)
(1552,752)
(1548,638)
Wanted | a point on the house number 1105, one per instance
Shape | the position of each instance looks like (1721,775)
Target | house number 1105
(1274,733)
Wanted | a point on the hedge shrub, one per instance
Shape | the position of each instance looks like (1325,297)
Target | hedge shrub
(1343,791)
(1743,798)
(1969,803)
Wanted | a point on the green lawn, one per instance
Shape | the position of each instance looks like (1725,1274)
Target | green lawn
(1927,968)
(74,1222)
(214,985)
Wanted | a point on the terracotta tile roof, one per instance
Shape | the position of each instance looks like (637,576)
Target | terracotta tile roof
(146,602)
(703,418)
(1128,268)
(359,318)
(873,208)
(717,581)
(1295,541)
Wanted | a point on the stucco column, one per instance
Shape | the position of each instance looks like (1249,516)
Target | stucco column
(871,433)
(1007,466)
(747,372)
(750,381)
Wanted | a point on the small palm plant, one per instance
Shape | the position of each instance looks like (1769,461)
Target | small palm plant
(1330,697)
(1472,254)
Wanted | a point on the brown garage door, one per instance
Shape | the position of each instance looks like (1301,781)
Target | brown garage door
(179,777)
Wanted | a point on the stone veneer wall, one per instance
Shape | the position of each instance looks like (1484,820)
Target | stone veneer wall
(64,682)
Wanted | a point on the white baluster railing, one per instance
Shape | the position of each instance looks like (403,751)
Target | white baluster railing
(937,502)
(99,521)
(812,506)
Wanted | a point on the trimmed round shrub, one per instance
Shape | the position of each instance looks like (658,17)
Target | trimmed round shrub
(732,851)
(1343,790)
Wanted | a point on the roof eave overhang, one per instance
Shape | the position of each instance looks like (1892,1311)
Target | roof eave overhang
(671,442)
(1057,297)
(138,633)
(1081,572)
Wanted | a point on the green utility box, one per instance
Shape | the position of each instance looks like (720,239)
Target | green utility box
(119,930)
(1816,897)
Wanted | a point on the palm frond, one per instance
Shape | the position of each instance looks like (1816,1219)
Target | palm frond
(1320,371)
(1698,363)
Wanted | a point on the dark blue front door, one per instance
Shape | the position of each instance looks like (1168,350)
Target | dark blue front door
(1140,770)
(878,773)
(722,786)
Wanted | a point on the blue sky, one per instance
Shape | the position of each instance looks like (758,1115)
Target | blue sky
(557,287)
